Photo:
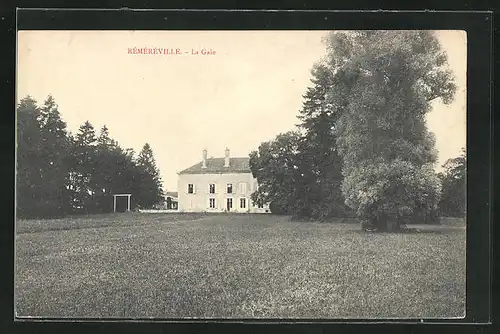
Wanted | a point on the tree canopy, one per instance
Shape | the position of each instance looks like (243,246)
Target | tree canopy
(150,191)
(385,83)
(362,146)
(299,172)
(453,179)
(60,173)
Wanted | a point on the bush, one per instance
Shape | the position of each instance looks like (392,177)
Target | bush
(278,208)
(385,192)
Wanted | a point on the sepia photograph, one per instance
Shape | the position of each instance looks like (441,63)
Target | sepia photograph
(251,174)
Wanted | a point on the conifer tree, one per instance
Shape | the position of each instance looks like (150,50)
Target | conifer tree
(321,164)
(54,151)
(29,165)
(308,158)
(151,191)
(84,167)
(105,170)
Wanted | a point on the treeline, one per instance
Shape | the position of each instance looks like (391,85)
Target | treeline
(60,173)
(453,180)
(362,147)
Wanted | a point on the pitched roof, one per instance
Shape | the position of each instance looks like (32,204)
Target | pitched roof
(171,194)
(216,165)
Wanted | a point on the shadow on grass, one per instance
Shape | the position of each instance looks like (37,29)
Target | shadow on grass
(420,231)
(102,221)
(435,229)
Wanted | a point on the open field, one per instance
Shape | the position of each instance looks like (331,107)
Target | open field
(201,265)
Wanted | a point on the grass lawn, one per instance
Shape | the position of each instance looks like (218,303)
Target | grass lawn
(200,265)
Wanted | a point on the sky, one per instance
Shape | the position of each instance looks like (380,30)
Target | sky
(246,90)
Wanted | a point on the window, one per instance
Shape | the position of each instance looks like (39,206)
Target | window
(229,188)
(229,204)
(260,204)
(190,188)
(212,203)
(212,188)
(243,203)
(243,188)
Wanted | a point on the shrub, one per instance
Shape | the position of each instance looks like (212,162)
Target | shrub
(385,192)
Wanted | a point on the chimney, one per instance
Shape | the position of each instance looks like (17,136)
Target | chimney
(226,158)
(204,160)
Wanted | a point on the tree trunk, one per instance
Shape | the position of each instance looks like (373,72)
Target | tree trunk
(366,225)
(392,226)
(381,224)
(385,224)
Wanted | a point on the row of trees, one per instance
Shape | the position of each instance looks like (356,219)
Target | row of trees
(60,173)
(453,180)
(362,147)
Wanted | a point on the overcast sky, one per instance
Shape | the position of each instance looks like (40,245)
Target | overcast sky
(247,92)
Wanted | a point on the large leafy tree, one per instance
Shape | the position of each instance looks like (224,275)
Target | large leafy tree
(150,187)
(384,82)
(275,165)
(453,178)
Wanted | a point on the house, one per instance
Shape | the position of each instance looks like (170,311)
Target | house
(218,185)
(171,200)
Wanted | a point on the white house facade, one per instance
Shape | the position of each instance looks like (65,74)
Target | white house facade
(218,185)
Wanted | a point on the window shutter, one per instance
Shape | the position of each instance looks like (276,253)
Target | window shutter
(194,189)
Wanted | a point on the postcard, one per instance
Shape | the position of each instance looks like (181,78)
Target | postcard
(277,174)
